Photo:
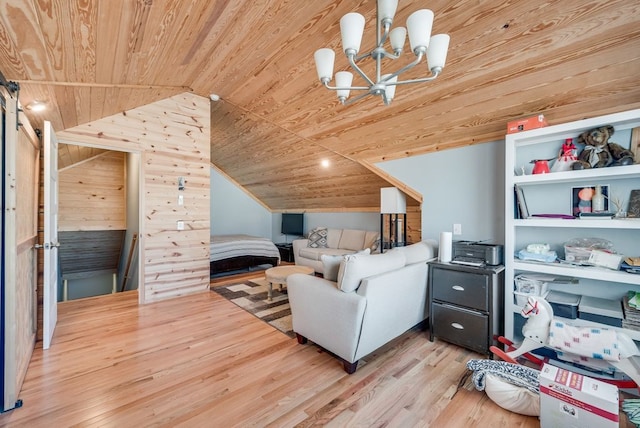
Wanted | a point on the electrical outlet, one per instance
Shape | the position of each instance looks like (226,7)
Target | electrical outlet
(457,229)
(180,199)
(180,225)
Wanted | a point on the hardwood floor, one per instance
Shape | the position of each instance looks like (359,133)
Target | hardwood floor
(200,361)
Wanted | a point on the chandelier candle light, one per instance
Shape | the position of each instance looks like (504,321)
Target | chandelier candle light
(422,44)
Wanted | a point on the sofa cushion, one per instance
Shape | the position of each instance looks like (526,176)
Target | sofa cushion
(318,238)
(355,267)
(352,239)
(315,253)
(333,237)
(418,252)
(331,264)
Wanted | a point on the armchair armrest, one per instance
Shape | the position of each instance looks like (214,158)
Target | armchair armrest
(396,301)
(325,315)
(297,244)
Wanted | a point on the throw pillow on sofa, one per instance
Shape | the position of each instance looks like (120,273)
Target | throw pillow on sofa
(358,266)
(331,264)
(318,238)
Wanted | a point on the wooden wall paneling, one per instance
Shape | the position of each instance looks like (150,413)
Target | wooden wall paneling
(173,138)
(92,194)
(414,224)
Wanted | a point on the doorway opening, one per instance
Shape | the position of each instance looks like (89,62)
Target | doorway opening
(98,227)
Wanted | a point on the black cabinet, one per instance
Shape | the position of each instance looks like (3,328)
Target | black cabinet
(466,304)
(286,252)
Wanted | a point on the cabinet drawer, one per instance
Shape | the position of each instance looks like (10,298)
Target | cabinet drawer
(461,326)
(461,288)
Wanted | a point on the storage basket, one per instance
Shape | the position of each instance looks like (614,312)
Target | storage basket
(526,287)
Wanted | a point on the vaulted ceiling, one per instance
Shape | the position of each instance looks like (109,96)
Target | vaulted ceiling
(274,123)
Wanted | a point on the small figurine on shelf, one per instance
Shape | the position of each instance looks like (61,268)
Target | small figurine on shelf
(568,155)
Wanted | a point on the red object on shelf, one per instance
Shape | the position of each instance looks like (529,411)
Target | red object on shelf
(526,124)
(540,166)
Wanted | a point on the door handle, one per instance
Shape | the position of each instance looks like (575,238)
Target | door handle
(47,245)
(458,288)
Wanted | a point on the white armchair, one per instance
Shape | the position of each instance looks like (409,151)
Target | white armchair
(375,299)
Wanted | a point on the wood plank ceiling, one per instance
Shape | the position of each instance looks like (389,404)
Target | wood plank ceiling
(568,59)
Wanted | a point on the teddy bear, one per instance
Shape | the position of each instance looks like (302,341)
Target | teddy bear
(598,152)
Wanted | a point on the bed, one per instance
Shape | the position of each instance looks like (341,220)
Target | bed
(235,252)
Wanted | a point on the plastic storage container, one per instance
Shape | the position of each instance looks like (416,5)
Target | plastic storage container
(604,311)
(565,305)
(526,286)
(578,250)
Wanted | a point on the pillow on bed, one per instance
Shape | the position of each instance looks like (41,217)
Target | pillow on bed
(318,238)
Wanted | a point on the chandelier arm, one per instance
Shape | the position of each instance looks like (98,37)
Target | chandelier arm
(358,98)
(350,88)
(424,79)
(390,55)
(360,72)
(406,67)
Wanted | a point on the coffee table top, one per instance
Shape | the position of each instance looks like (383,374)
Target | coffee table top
(279,274)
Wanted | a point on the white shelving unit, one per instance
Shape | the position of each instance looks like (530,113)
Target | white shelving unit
(551,194)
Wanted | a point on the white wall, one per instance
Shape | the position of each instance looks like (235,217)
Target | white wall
(463,185)
(233,211)
(133,216)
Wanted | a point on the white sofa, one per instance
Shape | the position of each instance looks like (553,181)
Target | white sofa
(308,251)
(374,299)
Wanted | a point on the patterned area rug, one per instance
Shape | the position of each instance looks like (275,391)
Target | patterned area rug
(252,297)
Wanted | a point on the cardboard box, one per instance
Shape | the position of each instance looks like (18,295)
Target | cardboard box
(526,124)
(570,399)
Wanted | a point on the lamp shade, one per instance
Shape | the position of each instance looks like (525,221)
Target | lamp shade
(437,51)
(392,201)
(387,9)
(419,25)
(343,80)
(325,58)
(397,37)
(351,29)
(390,90)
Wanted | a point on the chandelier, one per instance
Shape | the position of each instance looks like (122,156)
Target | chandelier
(419,24)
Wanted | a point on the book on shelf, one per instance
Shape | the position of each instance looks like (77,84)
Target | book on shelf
(596,216)
(522,203)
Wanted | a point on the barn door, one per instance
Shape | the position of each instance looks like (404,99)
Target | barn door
(50,311)
(21,168)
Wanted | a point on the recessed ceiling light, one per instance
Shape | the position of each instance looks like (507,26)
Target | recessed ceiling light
(37,106)
(325,163)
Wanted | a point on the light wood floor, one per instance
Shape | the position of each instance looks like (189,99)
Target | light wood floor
(200,361)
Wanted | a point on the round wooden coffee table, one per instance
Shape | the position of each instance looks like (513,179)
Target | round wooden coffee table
(278,275)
